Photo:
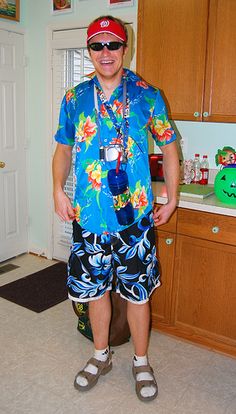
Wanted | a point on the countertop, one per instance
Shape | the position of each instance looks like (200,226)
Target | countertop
(209,204)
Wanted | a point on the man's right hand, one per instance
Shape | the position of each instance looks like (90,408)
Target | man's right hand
(61,168)
(63,206)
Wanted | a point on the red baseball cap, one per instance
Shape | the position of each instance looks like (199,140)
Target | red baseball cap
(106,26)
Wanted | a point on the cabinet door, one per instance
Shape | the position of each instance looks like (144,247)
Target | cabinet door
(220,96)
(171,52)
(205,290)
(161,298)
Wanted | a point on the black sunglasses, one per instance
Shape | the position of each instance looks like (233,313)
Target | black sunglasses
(97,47)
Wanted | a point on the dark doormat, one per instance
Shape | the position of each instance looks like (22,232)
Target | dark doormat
(39,291)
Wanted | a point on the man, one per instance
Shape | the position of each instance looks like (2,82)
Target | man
(107,120)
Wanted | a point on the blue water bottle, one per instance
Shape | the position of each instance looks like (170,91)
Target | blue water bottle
(119,187)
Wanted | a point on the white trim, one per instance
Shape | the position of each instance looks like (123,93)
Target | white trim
(129,18)
(37,251)
(49,151)
(90,299)
(12,27)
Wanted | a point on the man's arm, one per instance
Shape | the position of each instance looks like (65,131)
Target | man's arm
(61,169)
(171,174)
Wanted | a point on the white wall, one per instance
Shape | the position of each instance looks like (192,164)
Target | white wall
(206,138)
(36,18)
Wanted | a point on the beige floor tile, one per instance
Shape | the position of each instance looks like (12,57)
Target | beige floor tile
(35,400)
(217,381)
(194,402)
(179,367)
(170,392)
(41,354)
(231,408)
(223,362)
(11,385)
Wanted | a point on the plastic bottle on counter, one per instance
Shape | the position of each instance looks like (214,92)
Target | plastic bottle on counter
(196,173)
(204,170)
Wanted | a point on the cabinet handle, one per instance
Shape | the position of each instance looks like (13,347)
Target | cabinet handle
(215,229)
(205,114)
(196,114)
(169,241)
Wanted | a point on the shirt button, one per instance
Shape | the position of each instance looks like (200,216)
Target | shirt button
(105,140)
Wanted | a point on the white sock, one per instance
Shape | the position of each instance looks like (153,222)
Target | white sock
(147,391)
(101,355)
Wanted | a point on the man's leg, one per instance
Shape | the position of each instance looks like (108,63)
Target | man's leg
(100,318)
(139,322)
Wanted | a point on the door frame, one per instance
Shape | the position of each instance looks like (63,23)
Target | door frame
(11,28)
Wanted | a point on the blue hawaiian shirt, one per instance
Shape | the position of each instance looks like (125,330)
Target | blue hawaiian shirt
(93,201)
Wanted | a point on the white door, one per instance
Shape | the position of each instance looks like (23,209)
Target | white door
(71,64)
(13,182)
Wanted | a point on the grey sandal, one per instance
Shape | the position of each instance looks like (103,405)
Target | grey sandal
(102,367)
(144,383)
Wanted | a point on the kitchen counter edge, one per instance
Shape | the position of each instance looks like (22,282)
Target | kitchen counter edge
(209,204)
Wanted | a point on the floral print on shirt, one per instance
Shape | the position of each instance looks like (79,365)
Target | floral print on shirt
(78,126)
(85,130)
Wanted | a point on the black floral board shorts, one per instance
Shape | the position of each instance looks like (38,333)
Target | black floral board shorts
(129,254)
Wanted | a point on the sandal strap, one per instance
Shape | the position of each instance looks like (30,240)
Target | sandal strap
(142,369)
(100,365)
(146,383)
(95,362)
(87,375)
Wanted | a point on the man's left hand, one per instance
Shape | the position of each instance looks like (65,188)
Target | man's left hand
(162,214)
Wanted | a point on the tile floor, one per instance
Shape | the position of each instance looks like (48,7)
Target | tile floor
(41,353)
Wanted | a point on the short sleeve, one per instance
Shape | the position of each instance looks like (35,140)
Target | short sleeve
(159,125)
(66,130)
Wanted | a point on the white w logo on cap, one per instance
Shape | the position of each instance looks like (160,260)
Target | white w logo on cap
(104,23)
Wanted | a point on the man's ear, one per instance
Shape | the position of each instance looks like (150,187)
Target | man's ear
(125,50)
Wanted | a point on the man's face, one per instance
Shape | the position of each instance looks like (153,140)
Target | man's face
(108,63)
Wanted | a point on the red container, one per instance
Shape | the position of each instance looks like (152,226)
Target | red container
(156,167)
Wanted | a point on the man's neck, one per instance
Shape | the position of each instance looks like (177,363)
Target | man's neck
(109,85)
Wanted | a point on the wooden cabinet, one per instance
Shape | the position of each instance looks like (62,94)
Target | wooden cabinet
(186,49)
(208,226)
(199,300)
(161,298)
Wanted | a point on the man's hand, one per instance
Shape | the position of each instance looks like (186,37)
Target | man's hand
(63,206)
(162,214)
(61,169)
